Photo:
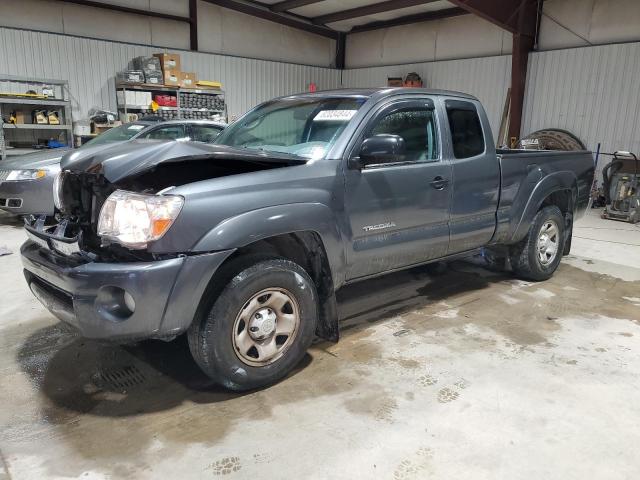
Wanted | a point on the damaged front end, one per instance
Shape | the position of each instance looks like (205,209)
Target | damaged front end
(79,199)
(133,180)
(97,267)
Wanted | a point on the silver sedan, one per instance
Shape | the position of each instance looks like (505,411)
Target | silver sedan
(26,181)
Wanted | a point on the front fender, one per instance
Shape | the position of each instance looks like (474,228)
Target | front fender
(554,182)
(249,227)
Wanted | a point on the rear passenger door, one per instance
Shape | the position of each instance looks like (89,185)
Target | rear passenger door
(398,212)
(476,176)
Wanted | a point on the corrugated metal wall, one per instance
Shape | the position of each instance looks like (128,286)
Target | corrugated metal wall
(594,92)
(90,66)
(487,78)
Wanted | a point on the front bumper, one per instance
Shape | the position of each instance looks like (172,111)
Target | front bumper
(24,197)
(88,295)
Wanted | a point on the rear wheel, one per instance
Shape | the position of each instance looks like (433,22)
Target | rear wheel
(259,327)
(537,257)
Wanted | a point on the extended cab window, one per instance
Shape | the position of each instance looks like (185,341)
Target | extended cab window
(466,130)
(416,126)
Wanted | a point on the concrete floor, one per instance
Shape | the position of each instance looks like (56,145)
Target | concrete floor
(466,375)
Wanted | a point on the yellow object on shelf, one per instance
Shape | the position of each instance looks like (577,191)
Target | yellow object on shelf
(24,95)
(208,83)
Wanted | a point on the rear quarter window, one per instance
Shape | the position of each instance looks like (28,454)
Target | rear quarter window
(466,130)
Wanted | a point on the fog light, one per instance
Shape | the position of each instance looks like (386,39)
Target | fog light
(129,302)
(114,303)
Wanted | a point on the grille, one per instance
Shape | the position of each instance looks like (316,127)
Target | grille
(4,174)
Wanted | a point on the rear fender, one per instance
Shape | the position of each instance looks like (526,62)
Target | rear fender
(554,182)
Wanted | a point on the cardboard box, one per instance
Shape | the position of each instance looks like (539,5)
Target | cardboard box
(169,61)
(99,128)
(143,99)
(188,80)
(172,78)
(20,116)
(127,97)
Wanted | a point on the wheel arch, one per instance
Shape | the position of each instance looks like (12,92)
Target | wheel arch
(559,189)
(306,234)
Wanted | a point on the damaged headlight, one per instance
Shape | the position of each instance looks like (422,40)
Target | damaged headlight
(26,174)
(134,219)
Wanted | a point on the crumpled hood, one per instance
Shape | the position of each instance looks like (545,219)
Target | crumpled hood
(36,160)
(131,158)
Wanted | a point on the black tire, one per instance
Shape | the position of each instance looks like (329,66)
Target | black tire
(210,337)
(525,261)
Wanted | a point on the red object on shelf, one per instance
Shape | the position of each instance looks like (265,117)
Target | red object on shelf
(166,100)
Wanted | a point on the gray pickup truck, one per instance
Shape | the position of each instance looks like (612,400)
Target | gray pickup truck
(243,243)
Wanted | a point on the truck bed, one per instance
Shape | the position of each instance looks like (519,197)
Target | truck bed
(522,172)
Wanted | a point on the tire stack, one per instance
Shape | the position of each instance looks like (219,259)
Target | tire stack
(165,114)
(203,106)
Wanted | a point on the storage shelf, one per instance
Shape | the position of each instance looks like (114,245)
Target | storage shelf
(17,78)
(168,88)
(138,107)
(187,109)
(34,126)
(147,86)
(32,101)
(58,100)
(172,109)
(212,91)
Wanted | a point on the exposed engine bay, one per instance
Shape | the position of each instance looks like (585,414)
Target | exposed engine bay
(80,196)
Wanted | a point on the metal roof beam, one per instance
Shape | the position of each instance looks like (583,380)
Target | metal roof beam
(515,16)
(368,10)
(409,19)
(193,24)
(258,10)
(134,11)
(291,4)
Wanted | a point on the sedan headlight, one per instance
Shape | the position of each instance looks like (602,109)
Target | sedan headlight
(26,174)
(134,219)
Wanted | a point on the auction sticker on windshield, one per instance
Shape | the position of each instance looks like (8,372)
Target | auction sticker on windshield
(334,115)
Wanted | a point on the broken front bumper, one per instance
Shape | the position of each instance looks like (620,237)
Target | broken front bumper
(120,301)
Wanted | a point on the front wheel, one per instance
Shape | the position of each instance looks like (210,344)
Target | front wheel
(537,257)
(259,327)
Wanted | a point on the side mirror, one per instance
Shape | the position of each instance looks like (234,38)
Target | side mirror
(382,148)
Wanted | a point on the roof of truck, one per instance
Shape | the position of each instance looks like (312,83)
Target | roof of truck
(383,91)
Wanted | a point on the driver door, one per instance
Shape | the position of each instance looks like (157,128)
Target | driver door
(398,211)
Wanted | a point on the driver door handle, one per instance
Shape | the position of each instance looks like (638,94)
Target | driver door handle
(439,183)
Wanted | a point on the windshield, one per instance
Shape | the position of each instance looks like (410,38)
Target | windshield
(306,127)
(117,134)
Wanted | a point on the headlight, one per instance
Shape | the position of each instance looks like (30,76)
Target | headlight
(26,174)
(134,220)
